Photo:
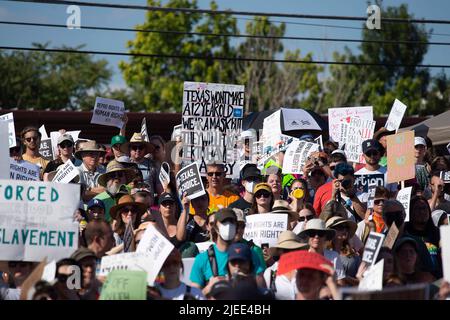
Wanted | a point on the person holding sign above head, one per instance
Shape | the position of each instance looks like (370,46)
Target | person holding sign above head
(250,177)
(263,199)
(168,208)
(211,266)
(31,139)
(65,148)
(196,226)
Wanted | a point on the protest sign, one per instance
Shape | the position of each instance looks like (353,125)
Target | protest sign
(353,132)
(157,247)
(364,181)
(187,266)
(373,279)
(4,150)
(271,131)
(190,182)
(373,245)
(176,133)
(265,228)
(445,243)
(36,220)
(23,170)
(445,176)
(319,141)
(144,133)
(49,272)
(67,173)
(9,119)
(108,112)
(125,285)
(391,236)
(400,157)
(296,155)
(298,119)
(336,116)
(43,132)
(395,116)
(371,196)
(211,124)
(404,196)
(54,136)
(46,149)
(164,176)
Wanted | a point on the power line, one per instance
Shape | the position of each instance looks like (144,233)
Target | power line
(234,59)
(390,42)
(230,12)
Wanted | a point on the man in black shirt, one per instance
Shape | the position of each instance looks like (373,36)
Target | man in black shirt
(251,176)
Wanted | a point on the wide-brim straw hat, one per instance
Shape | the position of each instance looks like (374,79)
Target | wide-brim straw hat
(115,166)
(317,225)
(290,241)
(339,221)
(137,139)
(90,146)
(282,206)
(124,201)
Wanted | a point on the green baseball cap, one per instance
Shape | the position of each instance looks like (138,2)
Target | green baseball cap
(118,140)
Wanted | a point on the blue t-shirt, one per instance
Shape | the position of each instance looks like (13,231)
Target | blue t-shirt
(201,270)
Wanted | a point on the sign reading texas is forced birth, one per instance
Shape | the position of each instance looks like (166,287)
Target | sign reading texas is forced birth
(36,220)
(211,124)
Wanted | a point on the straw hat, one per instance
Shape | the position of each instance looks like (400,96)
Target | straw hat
(90,146)
(331,209)
(317,225)
(124,201)
(137,139)
(282,206)
(289,240)
(115,166)
(339,221)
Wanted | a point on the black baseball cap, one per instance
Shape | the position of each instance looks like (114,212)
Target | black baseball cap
(372,144)
(251,171)
(224,214)
(166,196)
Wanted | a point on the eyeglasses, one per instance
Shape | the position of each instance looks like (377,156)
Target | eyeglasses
(35,138)
(263,194)
(137,147)
(217,174)
(307,218)
(373,153)
(128,209)
(64,145)
(378,201)
(319,233)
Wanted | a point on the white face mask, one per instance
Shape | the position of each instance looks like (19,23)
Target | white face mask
(227,230)
(249,186)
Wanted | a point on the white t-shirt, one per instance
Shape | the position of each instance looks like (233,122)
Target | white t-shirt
(179,292)
(285,287)
(333,256)
(364,196)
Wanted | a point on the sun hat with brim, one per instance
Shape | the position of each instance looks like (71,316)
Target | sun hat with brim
(334,222)
(137,138)
(124,201)
(382,132)
(51,175)
(302,259)
(89,146)
(436,215)
(288,240)
(317,225)
(115,166)
(282,206)
(332,208)
(262,186)
(82,253)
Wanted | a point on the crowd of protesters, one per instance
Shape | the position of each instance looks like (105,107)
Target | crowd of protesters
(329,221)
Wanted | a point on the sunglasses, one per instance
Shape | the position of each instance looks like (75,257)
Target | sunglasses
(64,145)
(307,218)
(372,153)
(128,209)
(319,233)
(262,194)
(217,174)
(378,201)
(137,147)
(32,138)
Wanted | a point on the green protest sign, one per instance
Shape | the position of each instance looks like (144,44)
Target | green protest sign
(125,285)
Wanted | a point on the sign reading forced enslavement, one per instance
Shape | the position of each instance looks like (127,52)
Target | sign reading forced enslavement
(211,123)
(36,220)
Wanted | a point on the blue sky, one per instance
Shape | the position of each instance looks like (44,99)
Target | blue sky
(116,41)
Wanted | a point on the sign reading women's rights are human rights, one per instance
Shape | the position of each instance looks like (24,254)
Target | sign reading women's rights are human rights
(36,220)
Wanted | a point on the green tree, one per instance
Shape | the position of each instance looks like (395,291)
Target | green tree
(49,80)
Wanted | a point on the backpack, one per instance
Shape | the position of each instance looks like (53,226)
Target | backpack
(213,261)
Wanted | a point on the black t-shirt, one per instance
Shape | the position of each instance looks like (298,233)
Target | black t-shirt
(53,165)
(195,233)
(241,204)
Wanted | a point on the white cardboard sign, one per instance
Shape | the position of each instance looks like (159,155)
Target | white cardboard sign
(66,173)
(9,118)
(108,112)
(445,243)
(298,119)
(265,228)
(353,133)
(373,279)
(395,116)
(23,170)
(338,115)
(4,150)
(296,155)
(404,196)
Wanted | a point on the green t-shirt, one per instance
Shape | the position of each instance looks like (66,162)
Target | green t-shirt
(108,202)
(383,161)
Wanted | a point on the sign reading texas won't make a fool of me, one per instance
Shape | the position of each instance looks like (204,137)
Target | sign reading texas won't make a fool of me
(36,220)
(211,124)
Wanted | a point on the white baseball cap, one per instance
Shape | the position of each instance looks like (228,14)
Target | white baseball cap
(248,134)
(419,140)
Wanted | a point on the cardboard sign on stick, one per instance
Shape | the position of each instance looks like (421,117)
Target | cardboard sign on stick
(265,228)
(395,116)
(373,245)
(9,119)
(108,112)
(400,157)
(190,182)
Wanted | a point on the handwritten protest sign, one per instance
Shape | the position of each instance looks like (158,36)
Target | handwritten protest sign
(445,243)
(9,119)
(108,112)
(54,136)
(67,173)
(46,149)
(157,247)
(134,261)
(445,176)
(395,116)
(353,133)
(190,182)
(23,170)
(400,157)
(4,150)
(373,245)
(391,236)
(404,196)
(36,220)
(265,228)
(296,155)
(144,133)
(125,285)
(336,116)
(279,145)
(271,131)
(298,119)
(211,124)
(373,279)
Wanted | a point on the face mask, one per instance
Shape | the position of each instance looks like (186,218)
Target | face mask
(249,186)
(227,230)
